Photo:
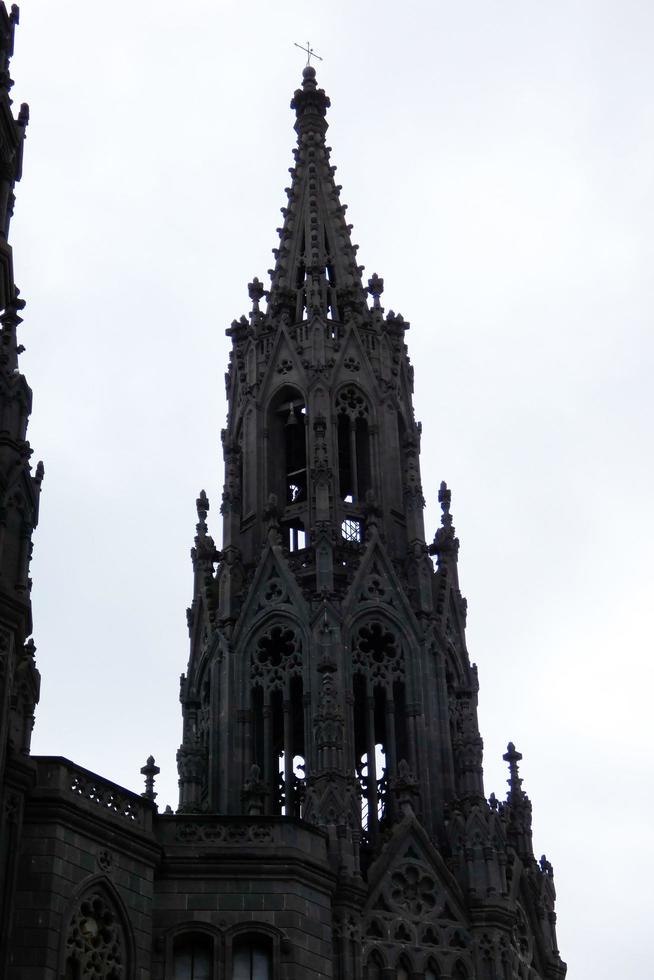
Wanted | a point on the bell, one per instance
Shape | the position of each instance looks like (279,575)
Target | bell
(292,418)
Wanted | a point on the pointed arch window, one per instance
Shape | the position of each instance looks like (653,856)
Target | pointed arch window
(95,942)
(277,702)
(353,412)
(287,455)
(380,729)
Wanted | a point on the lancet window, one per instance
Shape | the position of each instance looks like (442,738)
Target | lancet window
(95,940)
(353,413)
(277,705)
(287,434)
(380,739)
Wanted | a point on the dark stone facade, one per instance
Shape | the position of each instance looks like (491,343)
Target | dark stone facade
(332,821)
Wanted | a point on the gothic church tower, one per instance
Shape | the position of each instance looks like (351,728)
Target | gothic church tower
(329,679)
(332,821)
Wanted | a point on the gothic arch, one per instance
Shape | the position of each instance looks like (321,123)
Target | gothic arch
(404,966)
(432,969)
(379,712)
(287,450)
(276,682)
(396,616)
(353,420)
(376,962)
(96,924)
(460,971)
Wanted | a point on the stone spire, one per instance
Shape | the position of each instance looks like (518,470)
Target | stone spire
(316,265)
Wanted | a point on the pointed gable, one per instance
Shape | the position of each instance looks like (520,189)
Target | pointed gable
(274,590)
(376,586)
(409,883)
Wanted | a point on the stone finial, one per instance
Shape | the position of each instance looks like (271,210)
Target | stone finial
(149,770)
(202,506)
(310,104)
(518,807)
(375,289)
(445,540)
(256,292)
(513,757)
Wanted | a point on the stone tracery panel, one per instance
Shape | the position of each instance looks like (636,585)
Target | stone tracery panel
(95,941)
(377,652)
(276,656)
(352,402)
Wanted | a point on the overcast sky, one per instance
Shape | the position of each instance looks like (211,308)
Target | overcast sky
(496,157)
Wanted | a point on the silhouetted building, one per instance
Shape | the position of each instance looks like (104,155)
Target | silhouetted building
(332,820)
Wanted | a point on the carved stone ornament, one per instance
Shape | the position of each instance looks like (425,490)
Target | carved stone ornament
(412,890)
(95,944)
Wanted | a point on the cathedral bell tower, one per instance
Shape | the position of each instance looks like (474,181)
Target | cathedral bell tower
(329,679)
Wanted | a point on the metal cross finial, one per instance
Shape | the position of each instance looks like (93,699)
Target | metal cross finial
(310,53)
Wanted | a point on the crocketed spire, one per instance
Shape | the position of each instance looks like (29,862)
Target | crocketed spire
(316,271)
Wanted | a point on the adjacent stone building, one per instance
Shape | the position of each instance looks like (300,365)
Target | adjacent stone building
(332,819)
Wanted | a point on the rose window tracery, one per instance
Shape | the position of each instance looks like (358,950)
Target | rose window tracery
(350,401)
(95,944)
(276,655)
(413,891)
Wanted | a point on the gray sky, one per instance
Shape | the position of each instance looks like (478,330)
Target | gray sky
(496,158)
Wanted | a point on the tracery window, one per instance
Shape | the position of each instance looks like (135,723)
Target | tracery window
(380,733)
(251,959)
(353,413)
(193,957)
(278,717)
(95,941)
